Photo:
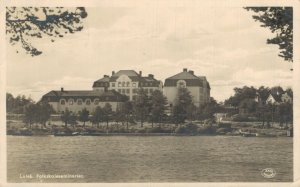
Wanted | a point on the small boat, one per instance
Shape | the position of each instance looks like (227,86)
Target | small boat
(66,134)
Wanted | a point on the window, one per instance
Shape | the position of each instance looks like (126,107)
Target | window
(134,90)
(123,91)
(79,101)
(127,91)
(146,90)
(127,84)
(151,90)
(113,84)
(96,101)
(62,102)
(88,102)
(71,101)
(133,84)
(123,84)
(181,84)
(119,90)
(119,84)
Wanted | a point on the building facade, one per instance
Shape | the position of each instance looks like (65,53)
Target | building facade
(75,101)
(198,86)
(127,82)
(124,85)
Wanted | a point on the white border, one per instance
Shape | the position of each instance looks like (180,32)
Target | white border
(103,3)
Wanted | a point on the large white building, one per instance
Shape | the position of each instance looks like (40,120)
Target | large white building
(114,89)
(127,82)
(197,85)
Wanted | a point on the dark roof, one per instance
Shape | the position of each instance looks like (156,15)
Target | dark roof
(133,75)
(188,77)
(104,79)
(151,82)
(276,97)
(54,96)
(103,82)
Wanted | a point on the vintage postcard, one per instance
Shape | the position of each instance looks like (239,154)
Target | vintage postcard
(150,93)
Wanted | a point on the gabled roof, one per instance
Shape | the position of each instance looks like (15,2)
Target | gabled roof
(125,72)
(133,75)
(104,79)
(55,96)
(184,75)
(188,77)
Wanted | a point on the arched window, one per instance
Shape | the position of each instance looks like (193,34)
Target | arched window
(96,101)
(62,102)
(87,101)
(79,101)
(71,101)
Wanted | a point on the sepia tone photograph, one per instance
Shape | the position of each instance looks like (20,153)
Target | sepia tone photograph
(149,92)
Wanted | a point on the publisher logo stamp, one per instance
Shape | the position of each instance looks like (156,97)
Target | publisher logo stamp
(268,173)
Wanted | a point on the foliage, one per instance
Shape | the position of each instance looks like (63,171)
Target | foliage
(158,104)
(141,105)
(16,104)
(30,114)
(65,116)
(208,110)
(107,112)
(43,112)
(97,116)
(37,113)
(280,21)
(26,23)
(183,103)
(84,116)
(241,94)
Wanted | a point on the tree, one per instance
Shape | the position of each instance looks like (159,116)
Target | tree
(17,104)
(208,110)
(182,102)
(84,116)
(263,92)
(240,94)
(97,116)
(30,114)
(73,119)
(44,111)
(107,112)
(25,23)
(141,105)
(158,104)
(126,109)
(280,21)
(65,117)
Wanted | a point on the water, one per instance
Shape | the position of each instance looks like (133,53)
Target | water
(149,159)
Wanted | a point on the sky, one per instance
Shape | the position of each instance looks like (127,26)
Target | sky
(222,43)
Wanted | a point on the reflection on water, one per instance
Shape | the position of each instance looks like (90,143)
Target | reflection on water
(149,159)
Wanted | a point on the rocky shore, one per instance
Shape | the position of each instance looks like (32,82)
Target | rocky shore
(249,129)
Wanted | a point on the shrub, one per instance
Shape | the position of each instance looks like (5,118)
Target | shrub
(180,130)
(206,130)
(223,130)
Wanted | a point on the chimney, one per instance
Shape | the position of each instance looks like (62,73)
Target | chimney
(191,72)
(184,70)
(61,89)
(151,76)
(113,72)
(140,73)
(105,76)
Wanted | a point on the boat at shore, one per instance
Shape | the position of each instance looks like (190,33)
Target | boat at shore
(66,134)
